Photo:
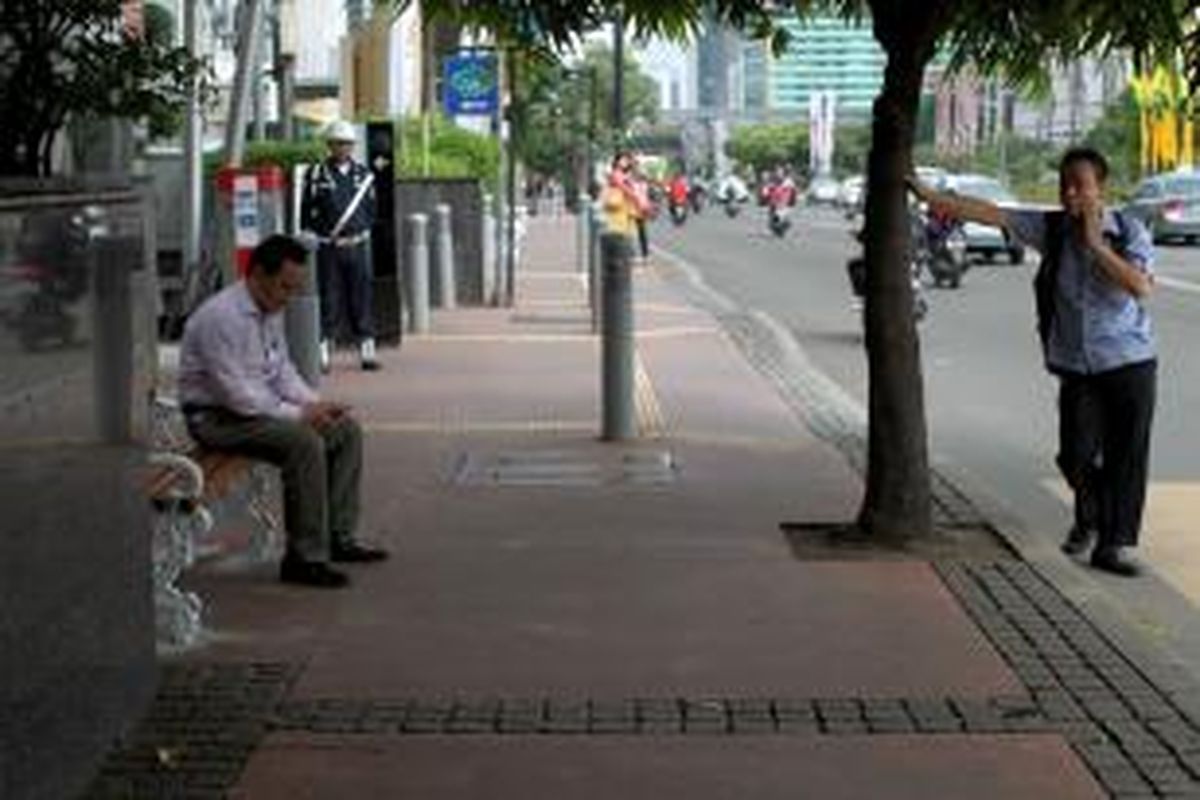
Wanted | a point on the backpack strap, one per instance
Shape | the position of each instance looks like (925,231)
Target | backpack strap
(1045,282)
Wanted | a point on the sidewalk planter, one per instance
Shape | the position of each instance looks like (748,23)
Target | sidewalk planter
(465,198)
(77,663)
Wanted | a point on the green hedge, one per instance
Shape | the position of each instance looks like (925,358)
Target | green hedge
(453,153)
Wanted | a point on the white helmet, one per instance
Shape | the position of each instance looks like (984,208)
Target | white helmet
(341,131)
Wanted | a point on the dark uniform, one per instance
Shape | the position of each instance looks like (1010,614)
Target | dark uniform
(343,264)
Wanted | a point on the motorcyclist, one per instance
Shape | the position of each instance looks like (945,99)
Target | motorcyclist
(678,192)
(781,191)
(732,189)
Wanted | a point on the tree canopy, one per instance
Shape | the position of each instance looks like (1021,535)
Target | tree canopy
(65,57)
(554,107)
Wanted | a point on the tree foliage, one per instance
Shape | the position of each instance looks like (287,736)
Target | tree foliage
(554,107)
(72,57)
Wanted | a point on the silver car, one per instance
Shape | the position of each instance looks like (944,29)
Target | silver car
(1169,205)
(983,240)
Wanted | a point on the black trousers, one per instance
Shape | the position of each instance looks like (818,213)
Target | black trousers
(643,238)
(1104,448)
(344,281)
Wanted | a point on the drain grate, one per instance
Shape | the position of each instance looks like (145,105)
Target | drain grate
(567,468)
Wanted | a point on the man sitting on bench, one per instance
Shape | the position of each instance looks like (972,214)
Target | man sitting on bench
(241,394)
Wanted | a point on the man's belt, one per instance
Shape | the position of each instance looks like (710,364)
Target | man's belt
(346,241)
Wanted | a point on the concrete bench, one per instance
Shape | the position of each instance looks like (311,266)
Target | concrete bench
(190,488)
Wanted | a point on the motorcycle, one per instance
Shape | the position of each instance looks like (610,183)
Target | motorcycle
(679,212)
(779,220)
(941,249)
(697,197)
(856,269)
(732,205)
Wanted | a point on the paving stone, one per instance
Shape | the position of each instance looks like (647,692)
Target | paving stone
(1119,780)
(839,710)
(474,717)
(426,717)
(709,716)
(565,716)
(793,708)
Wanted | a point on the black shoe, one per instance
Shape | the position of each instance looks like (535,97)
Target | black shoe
(355,553)
(1078,540)
(371,366)
(1110,559)
(311,573)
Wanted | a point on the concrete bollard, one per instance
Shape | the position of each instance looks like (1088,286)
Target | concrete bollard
(418,273)
(447,293)
(617,340)
(302,322)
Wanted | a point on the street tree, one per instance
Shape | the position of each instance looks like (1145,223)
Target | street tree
(1015,37)
(555,107)
(65,58)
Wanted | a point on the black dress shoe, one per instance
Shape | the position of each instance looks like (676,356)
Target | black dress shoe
(1110,559)
(311,573)
(355,553)
(371,366)
(1078,540)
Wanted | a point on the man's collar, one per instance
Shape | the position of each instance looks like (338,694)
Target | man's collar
(245,301)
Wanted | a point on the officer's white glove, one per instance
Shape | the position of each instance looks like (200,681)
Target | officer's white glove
(309,239)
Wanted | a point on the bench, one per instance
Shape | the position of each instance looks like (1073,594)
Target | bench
(188,487)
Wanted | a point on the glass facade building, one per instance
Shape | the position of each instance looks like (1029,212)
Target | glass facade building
(823,54)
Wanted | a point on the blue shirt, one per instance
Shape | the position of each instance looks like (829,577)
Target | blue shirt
(1097,326)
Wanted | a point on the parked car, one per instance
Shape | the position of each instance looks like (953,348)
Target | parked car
(822,191)
(1169,205)
(983,240)
(850,195)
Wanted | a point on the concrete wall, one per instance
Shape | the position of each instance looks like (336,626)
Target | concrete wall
(77,662)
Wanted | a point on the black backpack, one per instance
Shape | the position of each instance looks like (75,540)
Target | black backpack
(1045,282)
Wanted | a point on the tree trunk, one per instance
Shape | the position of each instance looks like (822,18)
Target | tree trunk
(897,500)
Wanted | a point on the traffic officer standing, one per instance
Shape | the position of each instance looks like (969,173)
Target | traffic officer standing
(339,207)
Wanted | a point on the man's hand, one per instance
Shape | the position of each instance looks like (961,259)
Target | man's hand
(321,414)
(1089,216)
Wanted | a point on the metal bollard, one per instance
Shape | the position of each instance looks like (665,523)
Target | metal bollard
(581,232)
(302,322)
(447,292)
(489,252)
(595,230)
(617,340)
(418,273)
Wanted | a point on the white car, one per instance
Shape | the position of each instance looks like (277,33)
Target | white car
(983,240)
(823,191)
(850,195)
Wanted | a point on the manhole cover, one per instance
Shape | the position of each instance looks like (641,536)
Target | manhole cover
(567,468)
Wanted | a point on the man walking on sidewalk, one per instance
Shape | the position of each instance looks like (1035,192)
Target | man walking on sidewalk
(241,393)
(338,205)
(1096,272)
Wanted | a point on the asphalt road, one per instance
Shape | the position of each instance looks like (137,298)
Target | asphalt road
(990,404)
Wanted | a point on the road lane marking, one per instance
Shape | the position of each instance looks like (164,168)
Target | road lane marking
(1176,283)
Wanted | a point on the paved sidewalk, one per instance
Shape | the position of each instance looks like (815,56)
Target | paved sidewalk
(565,618)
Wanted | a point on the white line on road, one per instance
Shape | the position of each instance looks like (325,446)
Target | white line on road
(1176,283)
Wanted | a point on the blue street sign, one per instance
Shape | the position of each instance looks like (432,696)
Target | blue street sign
(470,84)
